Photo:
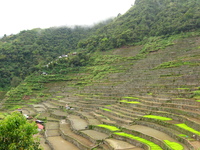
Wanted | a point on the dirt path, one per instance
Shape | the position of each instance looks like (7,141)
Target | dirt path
(121,145)
(59,143)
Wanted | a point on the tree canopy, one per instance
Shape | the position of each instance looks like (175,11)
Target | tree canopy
(16,133)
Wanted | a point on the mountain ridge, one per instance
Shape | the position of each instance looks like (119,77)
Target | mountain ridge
(25,52)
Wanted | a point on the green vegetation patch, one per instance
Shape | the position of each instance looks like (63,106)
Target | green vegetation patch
(174,145)
(149,93)
(105,109)
(172,64)
(183,88)
(183,135)
(170,75)
(198,100)
(2,115)
(157,117)
(184,126)
(196,94)
(111,128)
(130,97)
(152,145)
(130,102)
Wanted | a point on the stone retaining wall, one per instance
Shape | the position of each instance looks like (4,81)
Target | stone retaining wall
(75,141)
(149,138)
(174,127)
(168,132)
(131,141)
(47,141)
(57,116)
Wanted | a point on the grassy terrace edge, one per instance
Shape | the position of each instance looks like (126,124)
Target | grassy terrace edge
(174,145)
(157,117)
(111,128)
(152,145)
(185,127)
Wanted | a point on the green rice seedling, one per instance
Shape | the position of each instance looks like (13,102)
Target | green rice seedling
(129,102)
(105,109)
(184,126)
(149,93)
(157,117)
(174,145)
(109,127)
(55,99)
(152,145)
(183,135)
(128,97)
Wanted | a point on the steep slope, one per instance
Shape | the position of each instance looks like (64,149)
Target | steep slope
(146,18)
(21,54)
(144,95)
(153,99)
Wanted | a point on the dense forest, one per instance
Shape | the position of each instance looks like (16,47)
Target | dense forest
(26,52)
(145,19)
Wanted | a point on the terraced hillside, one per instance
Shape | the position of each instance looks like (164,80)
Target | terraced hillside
(123,101)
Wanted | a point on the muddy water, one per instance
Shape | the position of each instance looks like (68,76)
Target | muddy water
(59,143)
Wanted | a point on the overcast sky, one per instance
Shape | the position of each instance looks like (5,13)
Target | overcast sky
(18,15)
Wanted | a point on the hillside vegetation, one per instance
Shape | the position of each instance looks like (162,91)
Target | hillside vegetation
(132,82)
(25,52)
(145,19)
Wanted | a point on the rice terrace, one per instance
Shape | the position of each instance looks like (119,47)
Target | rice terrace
(141,95)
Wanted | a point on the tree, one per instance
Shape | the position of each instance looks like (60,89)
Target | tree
(16,133)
